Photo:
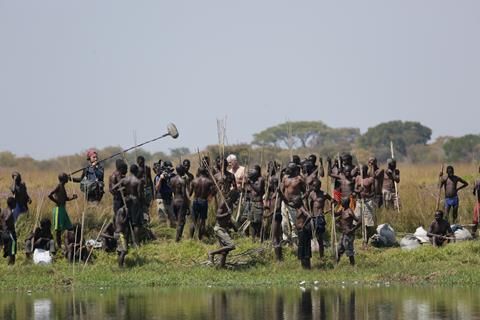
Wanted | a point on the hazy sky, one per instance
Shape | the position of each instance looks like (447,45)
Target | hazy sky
(76,74)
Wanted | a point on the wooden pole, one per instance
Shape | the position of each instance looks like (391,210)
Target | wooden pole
(439,188)
(397,202)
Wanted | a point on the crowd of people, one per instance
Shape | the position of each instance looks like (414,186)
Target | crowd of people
(285,205)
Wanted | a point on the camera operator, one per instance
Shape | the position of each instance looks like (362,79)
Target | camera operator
(163,192)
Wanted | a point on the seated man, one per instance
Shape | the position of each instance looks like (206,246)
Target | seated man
(440,230)
(41,238)
(109,244)
(73,246)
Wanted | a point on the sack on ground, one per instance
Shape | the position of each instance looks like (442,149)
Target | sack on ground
(387,234)
(41,256)
(462,234)
(410,242)
(421,234)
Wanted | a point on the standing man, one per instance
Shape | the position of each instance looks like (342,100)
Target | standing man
(347,184)
(378,174)
(317,199)
(476,210)
(364,188)
(145,174)
(237,170)
(120,172)
(392,177)
(180,199)
(91,181)
(203,188)
(272,210)
(163,193)
(61,220)
(293,185)
(347,226)
(19,191)
(8,231)
(450,184)
(255,189)
(133,189)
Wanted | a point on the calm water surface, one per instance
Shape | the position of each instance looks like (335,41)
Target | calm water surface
(272,303)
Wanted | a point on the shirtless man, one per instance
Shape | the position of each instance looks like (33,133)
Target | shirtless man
(120,172)
(225,180)
(450,184)
(203,188)
(224,223)
(304,231)
(346,220)
(319,169)
(364,188)
(19,191)
(133,190)
(272,209)
(73,248)
(347,184)
(145,174)
(317,199)
(121,234)
(8,231)
(61,220)
(293,185)
(41,238)
(392,176)
(179,185)
(188,175)
(476,210)
(237,170)
(439,231)
(255,189)
(378,174)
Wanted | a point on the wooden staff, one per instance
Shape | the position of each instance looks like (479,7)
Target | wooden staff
(397,202)
(333,236)
(362,215)
(91,250)
(439,188)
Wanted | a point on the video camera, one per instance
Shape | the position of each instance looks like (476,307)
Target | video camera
(164,168)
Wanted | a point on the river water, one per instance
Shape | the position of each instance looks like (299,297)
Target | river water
(308,302)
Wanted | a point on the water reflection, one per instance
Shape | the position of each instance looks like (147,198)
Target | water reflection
(273,303)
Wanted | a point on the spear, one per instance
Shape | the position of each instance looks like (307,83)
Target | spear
(439,188)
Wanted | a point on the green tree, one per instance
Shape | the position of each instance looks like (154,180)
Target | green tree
(464,148)
(403,135)
(177,153)
(289,134)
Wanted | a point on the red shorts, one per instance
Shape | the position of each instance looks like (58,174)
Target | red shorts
(476,213)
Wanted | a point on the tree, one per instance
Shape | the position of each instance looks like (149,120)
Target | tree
(289,134)
(403,135)
(177,153)
(464,148)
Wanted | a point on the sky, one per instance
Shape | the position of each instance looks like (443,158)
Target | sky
(80,74)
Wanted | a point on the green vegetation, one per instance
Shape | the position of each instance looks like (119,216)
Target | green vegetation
(166,263)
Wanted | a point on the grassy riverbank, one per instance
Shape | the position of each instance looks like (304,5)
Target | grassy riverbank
(166,263)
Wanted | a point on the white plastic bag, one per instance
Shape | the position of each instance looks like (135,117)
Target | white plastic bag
(41,256)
